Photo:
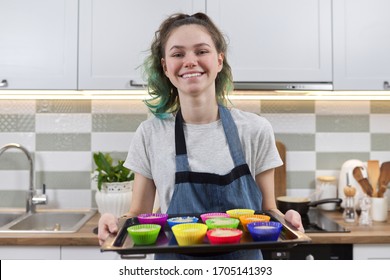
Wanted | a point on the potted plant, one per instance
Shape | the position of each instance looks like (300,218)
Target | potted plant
(114,184)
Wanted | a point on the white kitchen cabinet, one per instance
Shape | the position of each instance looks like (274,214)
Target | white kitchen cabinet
(361,38)
(38,44)
(115,36)
(371,251)
(276,41)
(30,253)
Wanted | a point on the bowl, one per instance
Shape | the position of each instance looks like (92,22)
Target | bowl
(182,220)
(153,218)
(144,234)
(222,223)
(224,235)
(207,216)
(236,213)
(246,219)
(189,234)
(265,231)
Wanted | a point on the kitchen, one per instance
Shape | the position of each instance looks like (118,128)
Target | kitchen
(61,127)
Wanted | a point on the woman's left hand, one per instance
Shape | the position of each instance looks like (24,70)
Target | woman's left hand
(294,218)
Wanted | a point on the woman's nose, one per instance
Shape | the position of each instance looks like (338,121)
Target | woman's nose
(190,61)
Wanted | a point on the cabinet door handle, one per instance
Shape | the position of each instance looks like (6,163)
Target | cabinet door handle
(386,85)
(135,84)
(4,83)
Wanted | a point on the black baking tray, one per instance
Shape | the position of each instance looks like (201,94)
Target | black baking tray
(166,242)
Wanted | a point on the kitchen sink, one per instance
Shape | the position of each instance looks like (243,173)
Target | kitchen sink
(49,222)
(6,218)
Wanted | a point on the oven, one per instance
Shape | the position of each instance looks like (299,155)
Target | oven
(315,221)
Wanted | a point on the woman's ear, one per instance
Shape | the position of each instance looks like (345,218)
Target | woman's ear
(221,57)
(164,65)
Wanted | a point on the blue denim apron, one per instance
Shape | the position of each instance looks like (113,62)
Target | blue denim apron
(199,192)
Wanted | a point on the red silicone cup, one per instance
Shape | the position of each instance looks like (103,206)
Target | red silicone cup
(153,218)
(224,235)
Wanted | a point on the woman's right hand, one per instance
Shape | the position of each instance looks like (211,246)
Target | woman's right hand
(108,224)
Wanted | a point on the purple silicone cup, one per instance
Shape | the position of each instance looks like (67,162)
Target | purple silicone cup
(153,218)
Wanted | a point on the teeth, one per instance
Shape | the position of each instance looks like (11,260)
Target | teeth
(191,75)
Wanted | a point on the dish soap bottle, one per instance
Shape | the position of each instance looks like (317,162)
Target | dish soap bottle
(349,213)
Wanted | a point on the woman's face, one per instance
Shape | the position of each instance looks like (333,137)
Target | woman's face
(191,60)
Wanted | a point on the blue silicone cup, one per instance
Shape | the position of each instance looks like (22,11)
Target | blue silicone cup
(265,231)
(182,220)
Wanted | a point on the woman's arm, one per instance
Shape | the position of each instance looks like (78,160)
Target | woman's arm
(142,201)
(266,182)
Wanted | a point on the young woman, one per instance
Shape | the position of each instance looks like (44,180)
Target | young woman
(197,153)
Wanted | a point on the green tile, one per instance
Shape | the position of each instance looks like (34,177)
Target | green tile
(334,161)
(64,180)
(63,142)
(380,142)
(341,123)
(17,123)
(287,107)
(380,107)
(63,106)
(297,142)
(14,160)
(116,122)
(13,199)
(301,179)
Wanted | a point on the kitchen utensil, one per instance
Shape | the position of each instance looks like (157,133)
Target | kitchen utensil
(222,223)
(236,213)
(189,234)
(182,220)
(144,234)
(246,219)
(349,213)
(363,182)
(384,178)
(373,175)
(301,204)
(153,218)
(207,216)
(346,172)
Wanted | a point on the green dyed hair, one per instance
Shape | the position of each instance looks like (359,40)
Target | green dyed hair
(164,95)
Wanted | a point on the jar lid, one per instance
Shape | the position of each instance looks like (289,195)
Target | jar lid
(326,178)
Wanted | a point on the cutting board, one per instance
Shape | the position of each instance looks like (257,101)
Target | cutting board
(280,172)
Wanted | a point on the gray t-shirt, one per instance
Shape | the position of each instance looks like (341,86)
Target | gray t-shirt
(152,150)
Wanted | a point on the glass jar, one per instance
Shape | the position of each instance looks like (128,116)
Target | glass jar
(349,213)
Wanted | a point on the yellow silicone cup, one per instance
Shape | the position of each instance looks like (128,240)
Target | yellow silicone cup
(236,213)
(189,234)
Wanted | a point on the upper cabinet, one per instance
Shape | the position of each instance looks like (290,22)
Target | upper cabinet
(276,41)
(115,36)
(361,38)
(38,44)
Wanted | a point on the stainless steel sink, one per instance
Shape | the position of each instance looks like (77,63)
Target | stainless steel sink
(49,222)
(6,218)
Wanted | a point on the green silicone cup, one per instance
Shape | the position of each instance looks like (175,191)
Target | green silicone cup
(144,234)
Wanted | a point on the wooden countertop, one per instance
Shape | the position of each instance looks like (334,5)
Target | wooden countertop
(377,233)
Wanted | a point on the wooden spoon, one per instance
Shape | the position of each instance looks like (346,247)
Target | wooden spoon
(373,170)
(384,178)
(363,182)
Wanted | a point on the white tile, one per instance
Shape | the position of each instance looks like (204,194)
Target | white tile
(248,106)
(119,107)
(292,123)
(342,107)
(63,123)
(301,161)
(111,142)
(380,123)
(26,139)
(17,106)
(343,142)
(63,161)
(380,155)
(68,199)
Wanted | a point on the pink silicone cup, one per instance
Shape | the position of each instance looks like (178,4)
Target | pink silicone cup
(207,216)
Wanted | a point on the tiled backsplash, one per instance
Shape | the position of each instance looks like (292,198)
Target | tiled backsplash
(62,135)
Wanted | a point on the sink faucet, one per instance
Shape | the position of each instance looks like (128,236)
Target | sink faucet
(32,199)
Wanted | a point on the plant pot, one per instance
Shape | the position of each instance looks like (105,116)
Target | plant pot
(114,198)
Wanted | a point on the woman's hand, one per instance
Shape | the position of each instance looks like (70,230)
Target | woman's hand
(294,218)
(108,224)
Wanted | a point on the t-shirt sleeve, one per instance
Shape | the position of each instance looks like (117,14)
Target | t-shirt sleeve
(138,159)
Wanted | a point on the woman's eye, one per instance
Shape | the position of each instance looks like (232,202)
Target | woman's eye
(177,55)
(200,52)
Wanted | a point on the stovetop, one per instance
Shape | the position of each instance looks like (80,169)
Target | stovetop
(316,221)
